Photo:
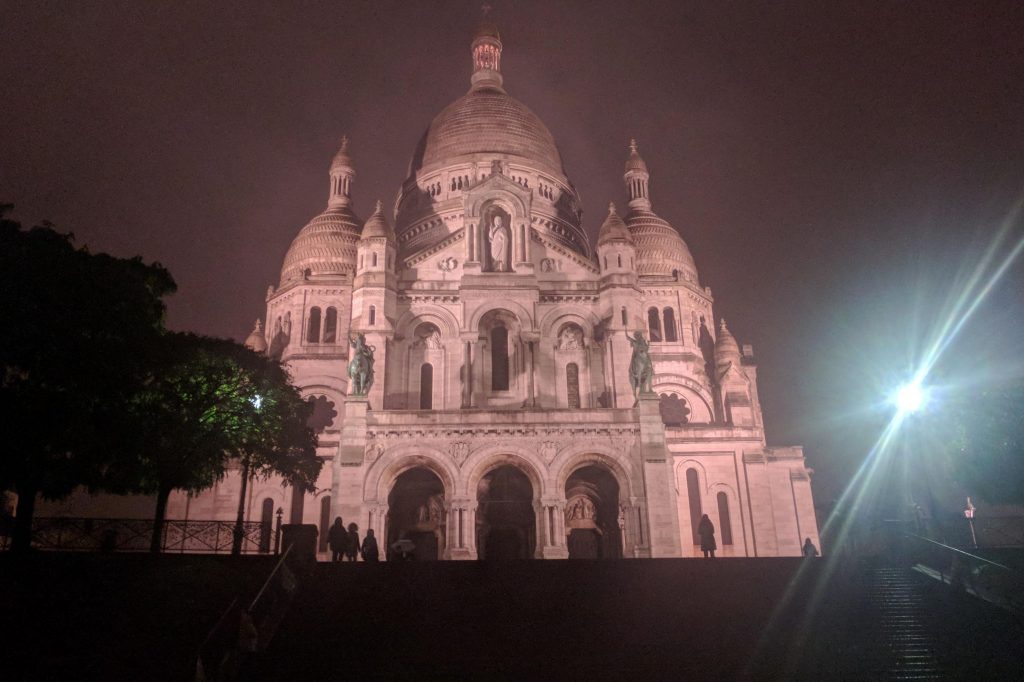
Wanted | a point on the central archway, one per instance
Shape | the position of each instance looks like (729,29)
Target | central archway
(506,526)
(416,513)
(592,514)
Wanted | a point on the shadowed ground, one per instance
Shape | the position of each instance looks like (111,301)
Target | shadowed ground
(132,617)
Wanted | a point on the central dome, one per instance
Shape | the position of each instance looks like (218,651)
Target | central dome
(488,121)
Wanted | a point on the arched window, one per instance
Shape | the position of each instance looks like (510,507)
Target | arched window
(693,493)
(724,522)
(331,325)
(313,333)
(572,384)
(373,259)
(427,386)
(625,318)
(499,359)
(325,521)
(654,324)
(670,324)
(372,317)
(619,256)
(266,524)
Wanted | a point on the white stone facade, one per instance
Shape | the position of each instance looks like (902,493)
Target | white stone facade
(502,421)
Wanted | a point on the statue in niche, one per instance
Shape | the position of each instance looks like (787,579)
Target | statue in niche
(641,370)
(433,340)
(499,237)
(570,338)
(428,337)
(581,508)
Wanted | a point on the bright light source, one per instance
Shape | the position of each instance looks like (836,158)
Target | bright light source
(257,401)
(910,397)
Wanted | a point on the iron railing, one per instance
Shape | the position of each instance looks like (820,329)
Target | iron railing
(134,535)
(987,579)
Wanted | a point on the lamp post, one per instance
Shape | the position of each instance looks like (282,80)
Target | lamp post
(969,515)
(238,534)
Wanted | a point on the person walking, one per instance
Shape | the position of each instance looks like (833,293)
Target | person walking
(337,540)
(369,550)
(352,548)
(706,531)
(809,549)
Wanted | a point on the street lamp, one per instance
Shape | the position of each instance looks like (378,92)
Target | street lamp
(969,515)
(239,531)
(911,397)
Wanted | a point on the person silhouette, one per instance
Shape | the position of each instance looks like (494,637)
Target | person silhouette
(706,531)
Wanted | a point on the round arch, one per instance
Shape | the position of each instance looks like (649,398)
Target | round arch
(513,204)
(435,314)
(486,459)
(554,319)
(571,459)
(382,474)
(513,308)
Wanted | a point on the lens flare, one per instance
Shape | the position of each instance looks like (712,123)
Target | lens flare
(911,397)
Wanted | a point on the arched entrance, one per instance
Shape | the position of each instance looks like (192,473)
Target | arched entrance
(416,513)
(506,527)
(592,514)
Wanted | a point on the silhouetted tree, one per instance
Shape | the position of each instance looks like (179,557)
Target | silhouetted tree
(210,403)
(988,460)
(76,329)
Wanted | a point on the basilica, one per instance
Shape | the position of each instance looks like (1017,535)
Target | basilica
(489,384)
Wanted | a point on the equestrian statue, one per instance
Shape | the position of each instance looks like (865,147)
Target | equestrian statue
(360,368)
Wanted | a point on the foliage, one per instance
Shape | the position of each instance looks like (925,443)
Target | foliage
(989,457)
(210,403)
(76,331)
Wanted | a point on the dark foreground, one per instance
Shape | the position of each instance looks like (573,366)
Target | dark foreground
(136,617)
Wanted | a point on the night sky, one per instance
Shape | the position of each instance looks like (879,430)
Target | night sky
(836,168)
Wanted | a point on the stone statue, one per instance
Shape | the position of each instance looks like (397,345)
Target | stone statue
(360,368)
(641,371)
(499,238)
(433,340)
(571,338)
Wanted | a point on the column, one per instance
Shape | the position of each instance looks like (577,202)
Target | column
(467,375)
(531,393)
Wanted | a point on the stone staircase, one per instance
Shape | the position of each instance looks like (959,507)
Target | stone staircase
(904,644)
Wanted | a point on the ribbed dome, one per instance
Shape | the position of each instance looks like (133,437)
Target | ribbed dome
(659,248)
(488,121)
(326,246)
(613,229)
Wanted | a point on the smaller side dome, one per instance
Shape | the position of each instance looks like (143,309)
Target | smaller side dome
(613,229)
(377,225)
(726,349)
(257,341)
(326,246)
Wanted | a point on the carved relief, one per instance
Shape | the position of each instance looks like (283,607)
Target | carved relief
(447,264)
(459,452)
(373,452)
(548,450)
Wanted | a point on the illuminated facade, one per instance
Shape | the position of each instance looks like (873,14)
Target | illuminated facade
(502,422)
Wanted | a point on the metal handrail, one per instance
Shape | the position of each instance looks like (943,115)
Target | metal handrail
(957,550)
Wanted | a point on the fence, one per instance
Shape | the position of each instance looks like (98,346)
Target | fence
(134,535)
